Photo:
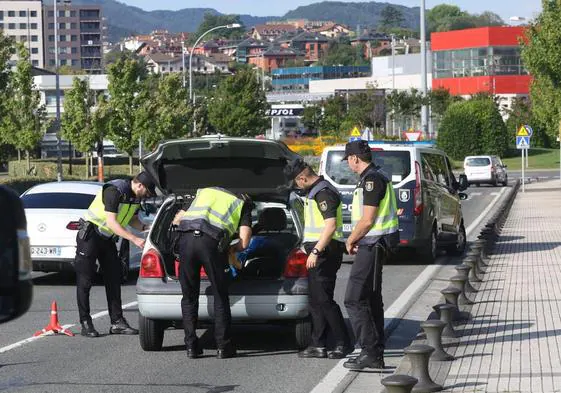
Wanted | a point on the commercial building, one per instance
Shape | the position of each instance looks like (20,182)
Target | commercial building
(485,59)
(23,21)
(300,78)
(80,37)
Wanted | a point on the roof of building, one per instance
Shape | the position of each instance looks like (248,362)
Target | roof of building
(274,50)
(252,42)
(310,37)
(372,36)
(220,58)
(274,28)
(163,58)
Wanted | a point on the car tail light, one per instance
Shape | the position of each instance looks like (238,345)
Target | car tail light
(296,264)
(418,195)
(73,225)
(203,273)
(492,169)
(403,241)
(151,265)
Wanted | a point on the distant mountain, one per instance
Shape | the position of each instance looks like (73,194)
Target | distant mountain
(123,20)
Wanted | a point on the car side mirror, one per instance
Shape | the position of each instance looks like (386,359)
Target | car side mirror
(16,289)
(463,196)
(463,184)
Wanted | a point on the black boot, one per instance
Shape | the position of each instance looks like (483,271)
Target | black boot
(88,329)
(122,327)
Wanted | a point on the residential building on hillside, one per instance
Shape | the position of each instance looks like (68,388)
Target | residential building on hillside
(274,57)
(248,48)
(313,45)
(375,43)
(23,21)
(332,30)
(161,63)
(80,37)
(269,32)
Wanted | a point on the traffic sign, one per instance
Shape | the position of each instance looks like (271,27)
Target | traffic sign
(522,131)
(413,136)
(523,142)
(529,130)
(354,138)
(355,132)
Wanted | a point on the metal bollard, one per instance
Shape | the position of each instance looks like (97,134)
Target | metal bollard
(459,282)
(451,296)
(476,253)
(475,271)
(446,312)
(463,270)
(433,329)
(419,358)
(399,383)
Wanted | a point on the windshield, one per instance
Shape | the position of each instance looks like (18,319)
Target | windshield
(394,164)
(57,200)
(478,161)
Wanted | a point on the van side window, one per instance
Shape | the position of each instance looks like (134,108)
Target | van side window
(439,168)
(428,173)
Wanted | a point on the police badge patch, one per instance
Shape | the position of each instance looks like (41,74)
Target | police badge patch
(369,186)
(323,206)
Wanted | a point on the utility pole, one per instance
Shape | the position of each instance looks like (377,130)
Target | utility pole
(57,89)
(424,108)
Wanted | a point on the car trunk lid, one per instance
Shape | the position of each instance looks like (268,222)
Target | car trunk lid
(250,166)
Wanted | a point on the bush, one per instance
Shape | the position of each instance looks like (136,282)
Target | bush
(473,127)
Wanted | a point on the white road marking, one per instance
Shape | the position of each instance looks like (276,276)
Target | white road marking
(331,381)
(475,193)
(31,339)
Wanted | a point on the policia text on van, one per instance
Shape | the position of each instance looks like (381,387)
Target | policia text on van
(113,208)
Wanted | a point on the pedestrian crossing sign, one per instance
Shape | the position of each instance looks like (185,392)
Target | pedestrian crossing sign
(522,142)
(355,132)
(522,131)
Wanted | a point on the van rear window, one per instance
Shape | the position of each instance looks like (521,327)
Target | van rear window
(478,161)
(393,163)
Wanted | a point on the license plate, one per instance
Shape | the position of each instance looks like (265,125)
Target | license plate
(347,227)
(45,251)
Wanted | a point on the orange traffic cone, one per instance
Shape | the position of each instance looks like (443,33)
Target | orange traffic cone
(54,325)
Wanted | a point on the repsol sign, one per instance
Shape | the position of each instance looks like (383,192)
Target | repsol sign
(285,112)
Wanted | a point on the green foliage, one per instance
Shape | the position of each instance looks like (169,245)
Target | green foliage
(341,53)
(76,121)
(405,107)
(125,83)
(23,118)
(473,127)
(238,106)
(311,118)
(163,112)
(201,119)
(211,20)
(521,113)
(445,17)
(391,17)
(334,116)
(440,99)
(366,109)
(542,57)
(68,70)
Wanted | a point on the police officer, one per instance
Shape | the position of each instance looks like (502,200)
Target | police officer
(375,230)
(324,244)
(113,208)
(207,227)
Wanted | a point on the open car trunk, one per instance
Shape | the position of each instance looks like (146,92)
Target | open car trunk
(276,234)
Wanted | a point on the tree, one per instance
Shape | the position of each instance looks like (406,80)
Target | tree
(213,20)
(163,112)
(342,53)
(391,17)
(125,78)
(311,118)
(445,17)
(405,107)
(488,18)
(7,49)
(542,58)
(101,118)
(334,116)
(200,118)
(367,109)
(521,113)
(68,70)
(238,106)
(473,127)
(23,120)
(76,121)
(440,99)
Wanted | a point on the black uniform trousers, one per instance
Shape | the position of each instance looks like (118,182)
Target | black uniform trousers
(325,312)
(196,250)
(97,247)
(363,299)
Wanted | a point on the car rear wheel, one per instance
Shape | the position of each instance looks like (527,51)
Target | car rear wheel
(303,332)
(429,250)
(460,246)
(151,333)
(505,183)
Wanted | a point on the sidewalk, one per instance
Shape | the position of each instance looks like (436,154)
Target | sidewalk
(513,342)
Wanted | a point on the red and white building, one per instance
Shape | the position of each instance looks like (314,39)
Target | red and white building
(485,59)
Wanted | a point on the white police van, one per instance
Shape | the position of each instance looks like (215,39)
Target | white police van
(428,197)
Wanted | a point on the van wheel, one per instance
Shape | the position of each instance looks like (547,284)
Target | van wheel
(429,250)
(459,248)
(303,332)
(505,183)
(151,333)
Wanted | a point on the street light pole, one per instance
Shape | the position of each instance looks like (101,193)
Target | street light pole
(183,61)
(57,89)
(393,81)
(424,108)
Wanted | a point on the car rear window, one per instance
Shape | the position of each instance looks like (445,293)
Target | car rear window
(478,161)
(57,200)
(393,163)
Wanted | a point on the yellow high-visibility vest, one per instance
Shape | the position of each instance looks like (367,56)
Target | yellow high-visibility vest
(313,219)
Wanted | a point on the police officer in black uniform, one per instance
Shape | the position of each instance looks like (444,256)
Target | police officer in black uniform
(207,227)
(323,242)
(375,231)
(113,208)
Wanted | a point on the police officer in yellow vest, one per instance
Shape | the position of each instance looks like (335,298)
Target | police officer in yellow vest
(113,208)
(324,244)
(375,230)
(207,226)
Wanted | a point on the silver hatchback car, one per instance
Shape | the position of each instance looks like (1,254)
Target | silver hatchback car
(272,286)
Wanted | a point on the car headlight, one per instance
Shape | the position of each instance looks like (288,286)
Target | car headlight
(24,254)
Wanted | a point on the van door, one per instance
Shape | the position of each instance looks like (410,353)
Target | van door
(444,195)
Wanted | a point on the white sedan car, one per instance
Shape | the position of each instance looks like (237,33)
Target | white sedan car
(52,211)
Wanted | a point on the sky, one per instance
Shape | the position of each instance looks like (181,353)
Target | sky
(504,8)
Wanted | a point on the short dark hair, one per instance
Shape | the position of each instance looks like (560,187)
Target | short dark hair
(365,157)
